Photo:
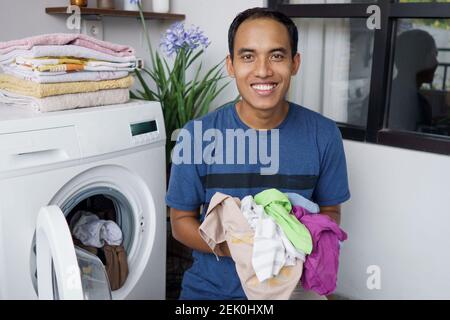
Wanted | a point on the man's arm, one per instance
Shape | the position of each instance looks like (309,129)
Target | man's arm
(334,212)
(185,226)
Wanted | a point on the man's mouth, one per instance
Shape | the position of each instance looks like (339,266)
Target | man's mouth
(264,89)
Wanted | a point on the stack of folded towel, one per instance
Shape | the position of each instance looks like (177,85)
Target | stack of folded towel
(65,71)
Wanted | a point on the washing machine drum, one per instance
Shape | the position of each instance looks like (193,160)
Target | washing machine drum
(65,271)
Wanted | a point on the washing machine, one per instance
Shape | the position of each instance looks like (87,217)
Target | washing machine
(52,164)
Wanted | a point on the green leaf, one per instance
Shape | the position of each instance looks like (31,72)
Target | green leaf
(134,96)
(144,26)
(191,94)
(194,58)
(148,93)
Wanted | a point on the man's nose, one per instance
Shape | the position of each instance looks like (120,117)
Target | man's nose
(263,68)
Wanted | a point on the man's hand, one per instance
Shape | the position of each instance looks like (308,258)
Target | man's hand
(223,251)
(334,212)
(185,226)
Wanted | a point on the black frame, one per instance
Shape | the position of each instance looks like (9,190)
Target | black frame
(381,76)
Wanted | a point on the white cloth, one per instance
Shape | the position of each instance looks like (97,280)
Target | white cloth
(268,251)
(67,101)
(271,248)
(62,51)
(251,211)
(58,77)
(292,253)
(94,232)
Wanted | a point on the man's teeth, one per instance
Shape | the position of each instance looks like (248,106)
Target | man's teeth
(264,87)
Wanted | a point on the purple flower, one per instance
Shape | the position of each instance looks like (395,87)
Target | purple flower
(176,38)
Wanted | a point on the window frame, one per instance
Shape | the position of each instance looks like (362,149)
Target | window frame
(382,66)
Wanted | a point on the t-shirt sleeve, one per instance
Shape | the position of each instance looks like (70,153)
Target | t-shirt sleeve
(332,185)
(185,191)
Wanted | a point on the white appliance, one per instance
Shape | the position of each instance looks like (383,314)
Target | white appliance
(52,162)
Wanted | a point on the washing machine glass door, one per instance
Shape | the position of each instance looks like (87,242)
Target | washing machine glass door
(63,271)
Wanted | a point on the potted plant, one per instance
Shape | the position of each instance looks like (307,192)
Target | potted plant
(182,99)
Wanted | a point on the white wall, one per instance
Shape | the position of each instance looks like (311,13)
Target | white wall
(398,218)
(24,18)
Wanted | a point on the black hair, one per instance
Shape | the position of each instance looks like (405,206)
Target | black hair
(256,13)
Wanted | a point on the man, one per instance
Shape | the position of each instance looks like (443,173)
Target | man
(311,162)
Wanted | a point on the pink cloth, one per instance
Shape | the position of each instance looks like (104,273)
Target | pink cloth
(321,266)
(81,40)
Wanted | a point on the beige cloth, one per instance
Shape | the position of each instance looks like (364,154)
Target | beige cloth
(42,90)
(116,265)
(225,222)
(67,101)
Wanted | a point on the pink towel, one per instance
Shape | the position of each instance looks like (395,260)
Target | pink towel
(81,40)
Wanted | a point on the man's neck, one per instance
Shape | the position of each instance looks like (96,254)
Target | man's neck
(262,119)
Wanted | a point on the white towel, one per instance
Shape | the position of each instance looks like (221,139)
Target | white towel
(251,211)
(268,250)
(67,101)
(292,253)
(62,68)
(94,232)
(62,51)
(57,77)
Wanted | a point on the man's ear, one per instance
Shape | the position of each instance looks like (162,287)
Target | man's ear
(230,68)
(296,61)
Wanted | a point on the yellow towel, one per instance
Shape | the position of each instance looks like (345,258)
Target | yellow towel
(42,90)
(59,67)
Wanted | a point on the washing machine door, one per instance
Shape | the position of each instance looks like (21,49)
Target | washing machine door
(64,271)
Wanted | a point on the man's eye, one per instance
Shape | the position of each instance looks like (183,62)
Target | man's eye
(247,57)
(277,56)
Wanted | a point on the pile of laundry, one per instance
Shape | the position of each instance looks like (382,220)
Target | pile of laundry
(65,71)
(103,238)
(278,241)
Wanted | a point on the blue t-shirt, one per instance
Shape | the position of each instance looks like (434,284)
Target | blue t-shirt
(311,162)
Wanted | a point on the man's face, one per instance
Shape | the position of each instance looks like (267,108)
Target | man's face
(262,63)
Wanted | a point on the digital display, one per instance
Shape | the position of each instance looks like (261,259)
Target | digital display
(143,127)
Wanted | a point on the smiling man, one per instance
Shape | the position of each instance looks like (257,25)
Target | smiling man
(263,57)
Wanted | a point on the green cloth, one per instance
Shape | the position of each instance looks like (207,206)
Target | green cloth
(276,204)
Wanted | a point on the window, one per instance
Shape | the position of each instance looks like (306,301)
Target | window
(419,99)
(326,1)
(387,85)
(335,76)
(444,1)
